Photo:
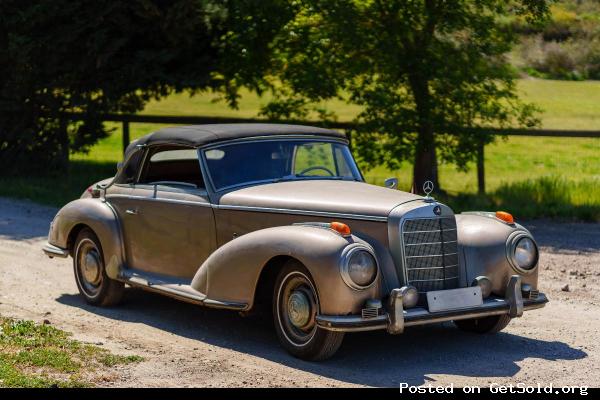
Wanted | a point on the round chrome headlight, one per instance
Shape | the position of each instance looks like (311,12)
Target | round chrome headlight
(359,268)
(525,253)
(522,252)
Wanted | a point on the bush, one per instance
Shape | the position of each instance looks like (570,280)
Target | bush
(545,197)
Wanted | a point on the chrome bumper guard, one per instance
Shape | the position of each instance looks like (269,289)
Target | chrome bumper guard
(397,318)
(54,251)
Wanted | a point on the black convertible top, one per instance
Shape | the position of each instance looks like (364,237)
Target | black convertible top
(199,135)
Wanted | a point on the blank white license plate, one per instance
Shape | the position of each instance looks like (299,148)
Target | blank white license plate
(454,299)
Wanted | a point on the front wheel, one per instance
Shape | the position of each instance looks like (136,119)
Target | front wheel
(491,324)
(295,306)
(90,274)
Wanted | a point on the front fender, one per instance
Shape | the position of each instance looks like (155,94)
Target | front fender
(482,241)
(231,273)
(101,218)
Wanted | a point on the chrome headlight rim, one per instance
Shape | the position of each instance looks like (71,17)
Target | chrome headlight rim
(513,241)
(345,263)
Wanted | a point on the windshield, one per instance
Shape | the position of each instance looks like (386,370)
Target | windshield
(279,160)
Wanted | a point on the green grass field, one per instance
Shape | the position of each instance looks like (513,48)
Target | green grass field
(529,166)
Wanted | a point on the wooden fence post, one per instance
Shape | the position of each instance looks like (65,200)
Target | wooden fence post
(481,167)
(125,135)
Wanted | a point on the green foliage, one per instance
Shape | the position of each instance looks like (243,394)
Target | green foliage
(566,47)
(101,56)
(415,68)
(33,355)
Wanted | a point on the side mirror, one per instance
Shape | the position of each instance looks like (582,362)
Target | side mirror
(391,183)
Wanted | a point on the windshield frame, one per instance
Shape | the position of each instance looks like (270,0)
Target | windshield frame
(303,138)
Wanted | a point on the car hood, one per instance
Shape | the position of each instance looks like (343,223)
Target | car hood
(330,196)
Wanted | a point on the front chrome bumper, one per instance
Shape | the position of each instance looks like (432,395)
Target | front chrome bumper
(54,251)
(396,318)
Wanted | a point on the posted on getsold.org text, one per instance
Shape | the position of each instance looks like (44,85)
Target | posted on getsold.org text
(496,388)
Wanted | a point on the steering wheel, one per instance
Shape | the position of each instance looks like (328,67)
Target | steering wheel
(317,167)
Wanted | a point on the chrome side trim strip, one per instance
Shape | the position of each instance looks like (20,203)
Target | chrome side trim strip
(302,212)
(258,209)
(176,201)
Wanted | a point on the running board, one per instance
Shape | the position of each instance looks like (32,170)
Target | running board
(176,288)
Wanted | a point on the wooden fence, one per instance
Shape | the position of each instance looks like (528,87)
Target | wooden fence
(127,119)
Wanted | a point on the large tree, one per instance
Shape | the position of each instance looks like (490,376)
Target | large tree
(420,70)
(101,56)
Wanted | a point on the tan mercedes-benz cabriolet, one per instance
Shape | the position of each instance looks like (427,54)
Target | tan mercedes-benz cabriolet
(246,215)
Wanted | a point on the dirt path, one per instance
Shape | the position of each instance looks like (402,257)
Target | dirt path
(185,345)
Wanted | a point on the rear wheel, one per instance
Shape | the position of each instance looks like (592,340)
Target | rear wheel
(491,324)
(295,306)
(90,273)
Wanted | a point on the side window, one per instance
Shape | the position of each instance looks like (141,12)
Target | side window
(130,169)
(314,159)
(172,165)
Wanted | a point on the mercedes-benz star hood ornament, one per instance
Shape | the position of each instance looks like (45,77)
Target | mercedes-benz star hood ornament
(428,188)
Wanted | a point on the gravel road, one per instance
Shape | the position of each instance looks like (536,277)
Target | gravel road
(186,345)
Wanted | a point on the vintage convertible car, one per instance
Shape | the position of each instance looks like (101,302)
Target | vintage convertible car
(241,216)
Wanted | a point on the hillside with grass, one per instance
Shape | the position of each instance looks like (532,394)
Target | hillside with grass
(566,47)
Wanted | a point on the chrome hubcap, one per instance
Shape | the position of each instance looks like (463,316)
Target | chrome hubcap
(91,267)
(298,309)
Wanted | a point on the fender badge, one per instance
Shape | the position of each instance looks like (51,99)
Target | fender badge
(437,210)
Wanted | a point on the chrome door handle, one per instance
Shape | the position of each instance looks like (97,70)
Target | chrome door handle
(131,212)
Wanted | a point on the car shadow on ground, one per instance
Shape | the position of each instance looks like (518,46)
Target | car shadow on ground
(367,358)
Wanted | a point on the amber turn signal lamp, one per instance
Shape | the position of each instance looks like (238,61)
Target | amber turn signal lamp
(504,216)
(340,228)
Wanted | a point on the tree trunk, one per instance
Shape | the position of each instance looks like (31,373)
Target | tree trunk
(425,164)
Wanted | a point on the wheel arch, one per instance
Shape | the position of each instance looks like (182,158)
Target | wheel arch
(266,280)
(72,237)
(242,269)
(99,217)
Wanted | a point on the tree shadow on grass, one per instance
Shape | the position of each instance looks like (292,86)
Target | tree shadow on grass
(57,189)
(368,358)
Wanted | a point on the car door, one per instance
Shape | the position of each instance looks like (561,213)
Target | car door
(167,219)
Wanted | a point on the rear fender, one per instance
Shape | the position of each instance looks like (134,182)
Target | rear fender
(98,216)
(232,272)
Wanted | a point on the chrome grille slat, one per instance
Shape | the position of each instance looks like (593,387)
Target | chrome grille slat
(423,244)
(435,230)
(433,280)
(447,266)
(431,253)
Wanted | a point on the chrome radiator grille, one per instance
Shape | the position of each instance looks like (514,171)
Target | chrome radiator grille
(431,253)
